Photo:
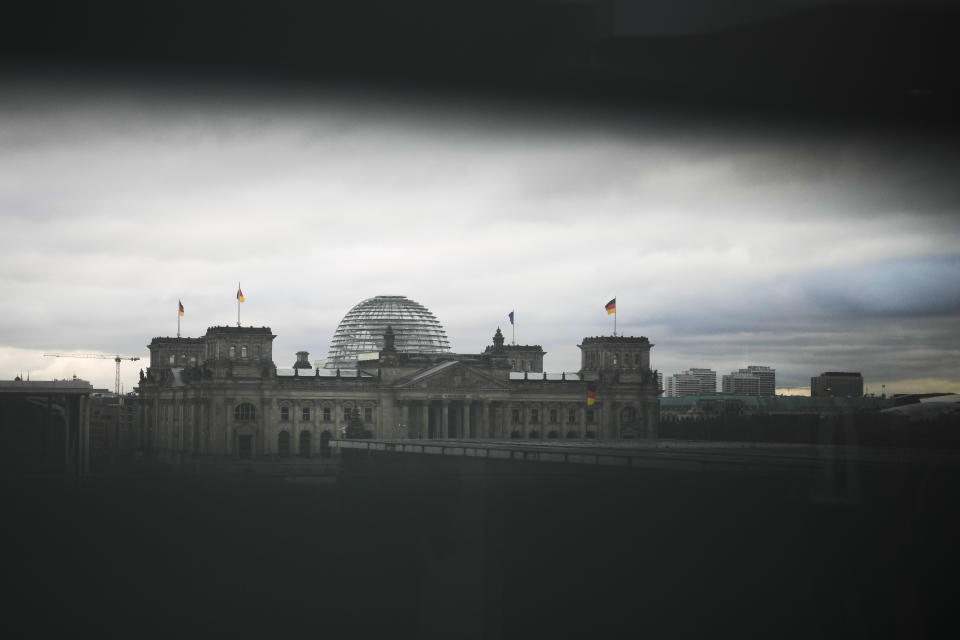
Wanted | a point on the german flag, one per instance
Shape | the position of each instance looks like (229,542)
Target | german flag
(611,306)
(181,307)
(591,394)
(239,294)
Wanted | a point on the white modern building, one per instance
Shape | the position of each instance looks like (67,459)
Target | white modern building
(692,382)
(754,380)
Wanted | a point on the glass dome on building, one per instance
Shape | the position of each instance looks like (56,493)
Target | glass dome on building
(416,330)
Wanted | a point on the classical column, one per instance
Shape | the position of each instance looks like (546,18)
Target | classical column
(525,421)
(465,427)
(544,420)
(484,431)
(583,422)
(227,448)
(204,427)
(66,430)
(85,421)
(445,419)
(405,420)
(425,419)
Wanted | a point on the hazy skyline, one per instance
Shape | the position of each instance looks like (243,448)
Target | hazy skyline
(726,243)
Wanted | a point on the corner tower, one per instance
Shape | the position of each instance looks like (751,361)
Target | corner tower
(627,390)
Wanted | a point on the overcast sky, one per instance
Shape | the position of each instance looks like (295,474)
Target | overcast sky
(727,245)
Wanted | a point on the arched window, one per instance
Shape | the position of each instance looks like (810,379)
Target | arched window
(243,351)
(233,351)
(245,411)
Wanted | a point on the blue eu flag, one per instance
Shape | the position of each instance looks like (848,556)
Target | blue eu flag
(511,317)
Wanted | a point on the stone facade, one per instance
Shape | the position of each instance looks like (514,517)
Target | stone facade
(524,357)
(233,401)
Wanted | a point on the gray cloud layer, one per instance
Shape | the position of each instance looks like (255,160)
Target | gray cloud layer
(805,250)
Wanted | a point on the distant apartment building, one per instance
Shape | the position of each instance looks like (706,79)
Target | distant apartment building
(754,380)
(682,384)
(707,378)
(837,384)
(692,382)
(741,384)
(767,377)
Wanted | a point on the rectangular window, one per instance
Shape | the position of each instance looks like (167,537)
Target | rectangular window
(589,416)
(572,416)
(553,416)
(515,416)
(534,415)
(306,414)
(326,414)
(367,414)
(284,413)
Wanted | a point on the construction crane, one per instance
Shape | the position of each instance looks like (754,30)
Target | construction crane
(100,356)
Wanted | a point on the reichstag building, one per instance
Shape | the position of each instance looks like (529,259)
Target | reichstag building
(390,373)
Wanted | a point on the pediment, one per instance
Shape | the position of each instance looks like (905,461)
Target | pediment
(455,376)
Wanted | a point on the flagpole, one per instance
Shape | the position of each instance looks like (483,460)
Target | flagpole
(238,303)
(614,318)
(178,320)
(513,329)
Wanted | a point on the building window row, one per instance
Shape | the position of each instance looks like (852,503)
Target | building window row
(326,414)
(616,358)
(553,416)
(244,351)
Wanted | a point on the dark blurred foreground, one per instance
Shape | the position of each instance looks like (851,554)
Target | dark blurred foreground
(423,546)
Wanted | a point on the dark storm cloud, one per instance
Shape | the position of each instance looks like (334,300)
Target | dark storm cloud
(891,320)
(898,288)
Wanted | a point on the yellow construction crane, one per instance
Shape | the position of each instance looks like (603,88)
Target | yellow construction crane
(101,356)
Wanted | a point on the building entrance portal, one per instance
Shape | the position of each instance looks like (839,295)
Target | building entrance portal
(325,444)
(304,444)
(245,447)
